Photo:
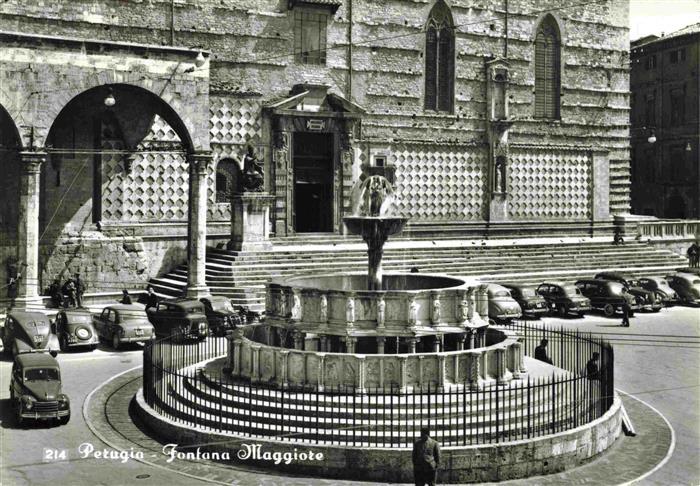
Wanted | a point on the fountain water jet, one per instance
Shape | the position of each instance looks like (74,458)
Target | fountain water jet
(373,219)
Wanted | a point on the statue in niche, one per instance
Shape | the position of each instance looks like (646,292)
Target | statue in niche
(332,373)
(296,306)
(323,309)
(500,175)
(253,176)
(282,305)
(381,312)
(436,310)
(464,310)
(413,313)
(350,310)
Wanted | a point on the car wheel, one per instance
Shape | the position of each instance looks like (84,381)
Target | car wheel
(563,311)
(116,342)
(64,420)
(64,343)
(609,310)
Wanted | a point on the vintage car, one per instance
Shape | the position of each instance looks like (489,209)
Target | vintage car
(660,287)
(124,323)
(185,317)
(687,286)
(645,298)
(607,295)
(502,307)
(532,304)
(564,299)
(35,389)
(220,314)
(74,329)
(29,331)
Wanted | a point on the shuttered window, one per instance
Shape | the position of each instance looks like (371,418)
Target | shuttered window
(547,69)
(310,37)
(439,59)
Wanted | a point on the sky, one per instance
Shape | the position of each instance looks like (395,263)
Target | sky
(656,16)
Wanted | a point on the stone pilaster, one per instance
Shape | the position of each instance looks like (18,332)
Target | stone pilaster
(518,363)
(255,364)
(361,374)
(474,370)
(197,224)
(28,230)
(321,372)
(412,342)
(284,372)
(402,373)
(441,370)
(350,344)
(236,357)
(501,366)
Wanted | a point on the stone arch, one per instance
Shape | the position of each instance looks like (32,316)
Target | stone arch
(191,124)
(226,179)
(10,146)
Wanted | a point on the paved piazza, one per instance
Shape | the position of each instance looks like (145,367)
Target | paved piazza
(657,362)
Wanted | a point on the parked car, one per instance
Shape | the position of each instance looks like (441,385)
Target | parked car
(124,323)
(647,299)
(531,303)
(221,316)
(502,307)
(25,332)
(660,287)
(74,328)
(691,270)
(687,286)
(35,389)
(564,299)
(607,295)
(184,316)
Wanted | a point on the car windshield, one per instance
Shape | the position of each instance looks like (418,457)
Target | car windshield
(616,288)
(39,374)
(194,309)
(79,318)
(527,292)
(221,305)
(132,316)
(571,290)
(501,293)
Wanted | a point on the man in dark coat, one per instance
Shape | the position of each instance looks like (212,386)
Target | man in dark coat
(80,288)
(126,298)
(151,298)
(541,352)
(625,309)
(592,370)
(426,459)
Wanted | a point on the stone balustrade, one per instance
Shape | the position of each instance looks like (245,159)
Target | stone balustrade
(447,304)
(497,363)
(676,229)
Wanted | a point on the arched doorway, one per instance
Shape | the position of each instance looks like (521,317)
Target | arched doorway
(227,180)
(117,155)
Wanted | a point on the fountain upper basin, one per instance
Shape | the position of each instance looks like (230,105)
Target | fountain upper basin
(374,225)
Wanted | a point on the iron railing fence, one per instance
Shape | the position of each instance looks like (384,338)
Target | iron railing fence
(179,384)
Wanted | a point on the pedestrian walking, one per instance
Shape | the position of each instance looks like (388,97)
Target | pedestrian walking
(80,287)
(426,459)
(70,292)
(592,371)
(541,352)
(693,255)
(126,298)
(151,298)
(625,308)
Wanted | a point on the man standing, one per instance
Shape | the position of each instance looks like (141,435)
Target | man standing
(79,289)
(426,459)
(625,308)
(151,298)
(592,367)
(541,352)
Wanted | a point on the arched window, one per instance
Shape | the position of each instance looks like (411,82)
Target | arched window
(547,69)
(439,59)
(226,180)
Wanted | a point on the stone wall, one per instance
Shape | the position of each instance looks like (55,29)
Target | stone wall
(470,464)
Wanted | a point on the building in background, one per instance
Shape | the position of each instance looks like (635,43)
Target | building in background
(486,121)
(665,125)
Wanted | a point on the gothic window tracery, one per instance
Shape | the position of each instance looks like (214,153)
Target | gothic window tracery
(547,69)
(439,59)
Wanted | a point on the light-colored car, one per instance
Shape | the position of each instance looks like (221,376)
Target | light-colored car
(124,323)
(75,329)
(502,307)
(660,287)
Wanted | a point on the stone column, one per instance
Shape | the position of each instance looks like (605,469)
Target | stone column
(412,342)
(381,340)
(361,372)
(284,372)
(441,370)
(321,372)
(236,365)
(437,343)
(197,208)
(474,370)
(28,230)
(255,361)
(472,339)
(402,373)
(350,344)
(501,366)
(518,362)
(460,341)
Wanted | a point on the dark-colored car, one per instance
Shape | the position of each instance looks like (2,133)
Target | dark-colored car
(531,303)
(647,299)
(220,314)
(35,389)
(607,295)
(564,299)
(183,316)
(687,286)
(74,329)
(660,287)
(25,332)
(124,323)
(502,307)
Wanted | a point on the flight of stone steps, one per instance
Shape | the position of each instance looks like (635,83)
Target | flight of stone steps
(242,275)
(335,417)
